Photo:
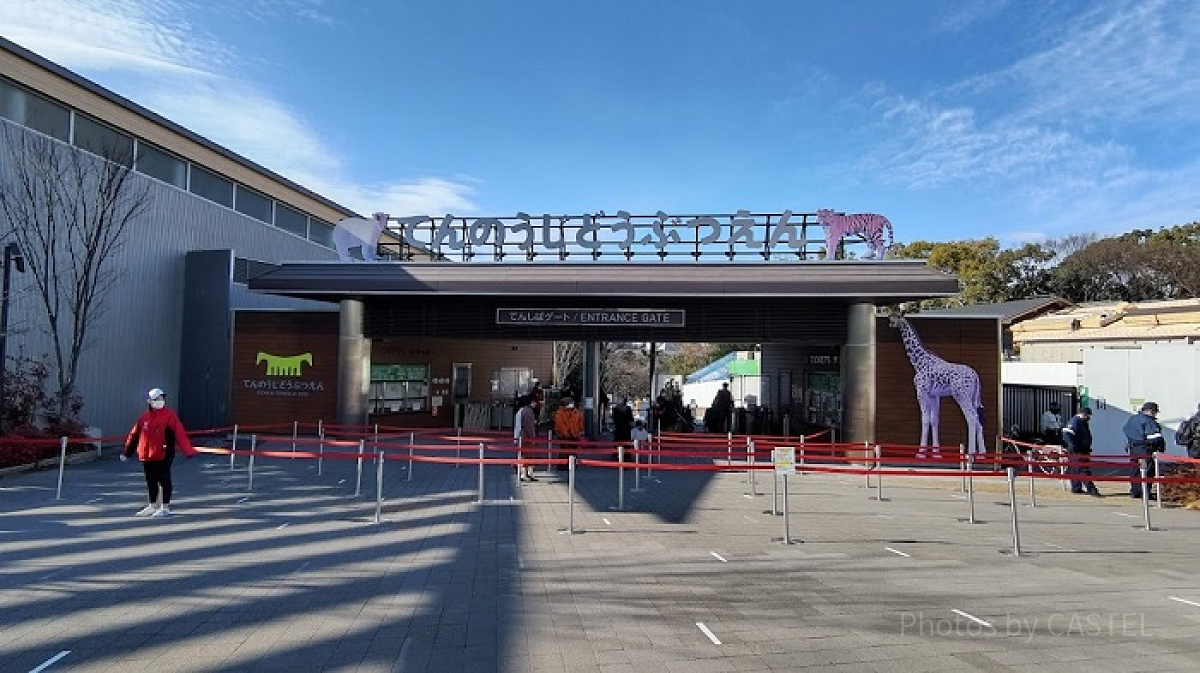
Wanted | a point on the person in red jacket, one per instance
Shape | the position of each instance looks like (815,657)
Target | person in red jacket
(154,437)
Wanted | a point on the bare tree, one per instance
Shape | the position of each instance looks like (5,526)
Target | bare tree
(568,358)
(69,211)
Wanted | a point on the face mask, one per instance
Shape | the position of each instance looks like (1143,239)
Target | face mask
(158,404)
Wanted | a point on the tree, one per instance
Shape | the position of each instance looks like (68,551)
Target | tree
(568,364)
(70,212)
(689,358)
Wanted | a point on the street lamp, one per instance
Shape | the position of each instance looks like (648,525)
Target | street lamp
(12,254)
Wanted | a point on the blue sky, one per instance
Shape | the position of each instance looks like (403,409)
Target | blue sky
(957,119)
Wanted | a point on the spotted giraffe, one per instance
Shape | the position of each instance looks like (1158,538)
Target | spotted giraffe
(934,379)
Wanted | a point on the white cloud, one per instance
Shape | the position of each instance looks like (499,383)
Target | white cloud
(166,63)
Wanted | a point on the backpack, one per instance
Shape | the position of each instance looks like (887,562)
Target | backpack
(1185,433)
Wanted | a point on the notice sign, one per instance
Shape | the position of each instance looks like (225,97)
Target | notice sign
(591,317)
(784,458)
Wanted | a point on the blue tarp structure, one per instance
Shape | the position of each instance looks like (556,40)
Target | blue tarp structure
(724,369)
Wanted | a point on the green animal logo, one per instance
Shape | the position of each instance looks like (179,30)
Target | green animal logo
(278,365)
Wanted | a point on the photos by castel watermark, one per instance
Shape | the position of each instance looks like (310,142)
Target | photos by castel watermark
(1058,624)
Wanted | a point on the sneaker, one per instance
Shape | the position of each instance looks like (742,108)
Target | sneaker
(1095,494)
(531,477)
(148,510)
(1077,491)
(162,511)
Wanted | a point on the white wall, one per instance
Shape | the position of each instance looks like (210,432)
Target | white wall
(1119,380)
(1041,373)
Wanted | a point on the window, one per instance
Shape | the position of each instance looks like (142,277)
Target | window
(31,110)
(291,220)
(320,232)
(211,186)
(399,387)
(250,202)
(158,164)
(514,381)
(103,140)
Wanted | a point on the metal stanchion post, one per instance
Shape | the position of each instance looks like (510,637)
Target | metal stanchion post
(250,466)
(1143,467)
(971,489)
(729,445)
(879,475)
(620,479)
(295,434)
(62,465)
(1161,486)
(1012,505)
(378,484)
(550,451)
(1032,489)
(653,447)
(750,467)
(358,478)
(867,455)
(962,465)
(800,459)
(637,464)
(571,494)
(458,446)
(320,451)
(480,473)
(234,447)
(787,534)
(774,493)
(412,441)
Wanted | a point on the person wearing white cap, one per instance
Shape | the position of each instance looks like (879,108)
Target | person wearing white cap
(154,438)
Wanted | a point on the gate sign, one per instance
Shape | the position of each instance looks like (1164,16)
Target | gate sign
(591,317)
(784,458)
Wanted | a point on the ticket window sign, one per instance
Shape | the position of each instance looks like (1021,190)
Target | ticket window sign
(784,458)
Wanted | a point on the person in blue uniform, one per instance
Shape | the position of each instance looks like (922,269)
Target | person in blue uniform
(1143,438)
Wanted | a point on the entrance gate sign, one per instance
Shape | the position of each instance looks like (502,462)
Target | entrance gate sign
(769,236)
(591,317)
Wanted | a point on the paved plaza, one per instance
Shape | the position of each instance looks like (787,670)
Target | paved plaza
(295,575)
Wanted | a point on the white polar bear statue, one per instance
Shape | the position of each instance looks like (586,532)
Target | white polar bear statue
(360,233)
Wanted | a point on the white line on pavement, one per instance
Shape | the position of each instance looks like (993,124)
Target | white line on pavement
(883,516)
(281,526)
(243,500)
(718,557)
(1175,598)
(708,633)
(750,519)
(971,617)
(1131,516)
(94,500)
(606,522)
(897,552)
(48,576)
(50,662)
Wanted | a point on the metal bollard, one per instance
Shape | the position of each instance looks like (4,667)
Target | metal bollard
(637,482)
(1161,486)
(253,450)
(800,459)
(1012,505)
(729,444)
(879,476)
(1032,491)
(62,465)
(358,479)
(412,440)
(962,465)
(750,449)
(378,484)
(550,451)
(971,489)
(867,455)
(234,447)
(787,534)
(1144,466)
(320,451)
(620,480)
(458,446)
(480,500)
(295,434)
(571,494)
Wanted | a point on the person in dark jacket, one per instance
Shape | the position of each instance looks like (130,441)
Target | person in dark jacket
(1143,438)
(622,419)
(1078,437)
(154,438)
(525,433)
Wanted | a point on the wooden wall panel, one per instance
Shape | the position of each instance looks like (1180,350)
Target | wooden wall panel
(261,396)
(973,342)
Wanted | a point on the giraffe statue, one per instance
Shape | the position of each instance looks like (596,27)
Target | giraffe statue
(934,379)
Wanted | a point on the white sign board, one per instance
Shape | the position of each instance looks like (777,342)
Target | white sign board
(784,458)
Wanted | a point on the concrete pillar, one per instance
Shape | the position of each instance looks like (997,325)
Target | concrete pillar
(354,365)
(858,375)
(591,389)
